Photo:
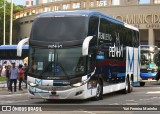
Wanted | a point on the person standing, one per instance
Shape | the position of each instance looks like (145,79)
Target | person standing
(25,68)
(20,76)
(13,76)
(8,76)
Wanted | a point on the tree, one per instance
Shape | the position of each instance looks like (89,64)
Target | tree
(16,24)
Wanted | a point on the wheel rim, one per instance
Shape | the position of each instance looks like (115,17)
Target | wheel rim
(126,85)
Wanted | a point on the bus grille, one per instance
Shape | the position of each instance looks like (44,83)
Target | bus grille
(54,88)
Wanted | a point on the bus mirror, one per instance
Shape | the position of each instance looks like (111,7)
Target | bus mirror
(20,45)
(85,45)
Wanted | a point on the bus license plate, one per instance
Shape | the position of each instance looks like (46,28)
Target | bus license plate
(54,96)
(149,79)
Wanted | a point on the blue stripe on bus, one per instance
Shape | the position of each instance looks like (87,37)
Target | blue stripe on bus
(148,74)
(5,47)
(121,74)
(57,82)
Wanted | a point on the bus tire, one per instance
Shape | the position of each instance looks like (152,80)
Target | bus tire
(99,91)
(142,84)
(127,85)
(130,87)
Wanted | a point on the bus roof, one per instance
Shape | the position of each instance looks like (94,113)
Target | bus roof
(85,13)
(5,47)
(78,13)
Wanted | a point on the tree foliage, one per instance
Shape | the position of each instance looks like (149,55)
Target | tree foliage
(16,24)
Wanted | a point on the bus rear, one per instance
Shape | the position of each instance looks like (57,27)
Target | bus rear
(149,66)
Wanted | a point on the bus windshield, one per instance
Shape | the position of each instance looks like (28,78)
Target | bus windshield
(148,60)
(49,63)
(59,29)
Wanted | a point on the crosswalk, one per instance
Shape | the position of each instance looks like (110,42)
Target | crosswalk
(2,102)
(13,95)
(153,92)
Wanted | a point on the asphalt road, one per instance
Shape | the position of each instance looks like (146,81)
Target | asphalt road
(147,97)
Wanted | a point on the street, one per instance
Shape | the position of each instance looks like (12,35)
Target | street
(148,95)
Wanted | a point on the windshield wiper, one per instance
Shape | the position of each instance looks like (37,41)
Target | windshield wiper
(46,67)
(64,70)
(58,64)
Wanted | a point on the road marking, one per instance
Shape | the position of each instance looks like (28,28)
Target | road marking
(88,112)
(13,95)
(10,102)
(153,92)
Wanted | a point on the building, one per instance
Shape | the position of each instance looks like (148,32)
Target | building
(29,3)
(143,14)
(45,1)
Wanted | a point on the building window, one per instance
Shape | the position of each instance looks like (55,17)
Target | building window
(115,2)
(144,1)
(76,5)
(26,22)
(157,1)
(101,3)
(91,4)
(66,6)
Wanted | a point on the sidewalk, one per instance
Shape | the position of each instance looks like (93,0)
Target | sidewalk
(4,89)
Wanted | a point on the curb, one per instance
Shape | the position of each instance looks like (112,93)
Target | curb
(2,82)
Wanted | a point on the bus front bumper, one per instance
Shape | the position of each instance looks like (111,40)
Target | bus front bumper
(148,77)
(73,93)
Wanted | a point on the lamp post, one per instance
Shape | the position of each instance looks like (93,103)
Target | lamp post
(11,23)
(4,23)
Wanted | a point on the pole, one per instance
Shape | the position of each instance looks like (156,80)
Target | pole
(11,23)
(4,23)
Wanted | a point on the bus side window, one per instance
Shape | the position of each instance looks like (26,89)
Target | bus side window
(90,63)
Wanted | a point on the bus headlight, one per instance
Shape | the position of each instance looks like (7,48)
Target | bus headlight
(80,83)
(32,84)
(92,84)
(77,84)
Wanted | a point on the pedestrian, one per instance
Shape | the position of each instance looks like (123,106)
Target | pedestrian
(25,68)
(8,77)
(13,77)
(20,76)
(3,69)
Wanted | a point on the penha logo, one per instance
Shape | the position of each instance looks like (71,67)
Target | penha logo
(55,45)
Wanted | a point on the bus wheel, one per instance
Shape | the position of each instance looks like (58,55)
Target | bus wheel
(130,87)
(127,87)
(99,91)
(142,83)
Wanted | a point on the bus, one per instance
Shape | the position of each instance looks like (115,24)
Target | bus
(9,53)
(81,55)
(149,63)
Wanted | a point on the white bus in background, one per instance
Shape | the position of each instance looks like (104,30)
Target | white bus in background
(81,54)
(9,53)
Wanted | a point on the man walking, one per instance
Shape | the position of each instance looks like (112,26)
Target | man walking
(13,76)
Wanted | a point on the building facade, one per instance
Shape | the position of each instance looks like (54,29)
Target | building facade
(143,14)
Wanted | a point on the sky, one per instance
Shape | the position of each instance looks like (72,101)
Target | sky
(18,2)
